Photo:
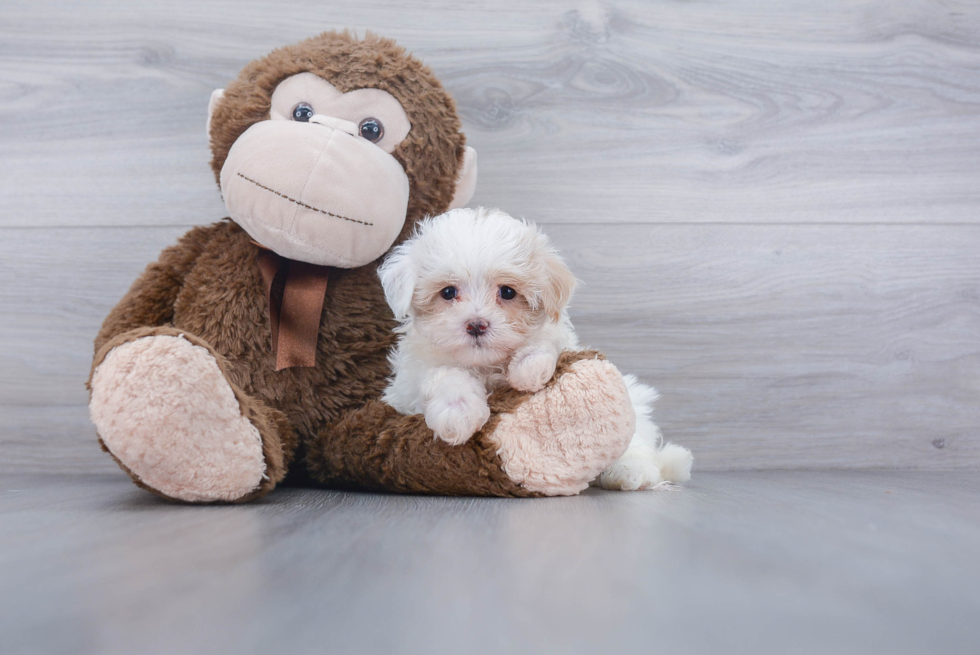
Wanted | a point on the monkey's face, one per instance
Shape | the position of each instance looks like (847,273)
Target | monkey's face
(324,149)
(317,182)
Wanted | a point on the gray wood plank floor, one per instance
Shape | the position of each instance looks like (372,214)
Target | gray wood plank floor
(750,562)
(774,206)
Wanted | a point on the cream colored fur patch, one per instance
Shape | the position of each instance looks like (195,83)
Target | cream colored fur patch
(162,406)
(587,412)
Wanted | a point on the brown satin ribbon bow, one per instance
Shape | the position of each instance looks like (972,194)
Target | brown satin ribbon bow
(294,313)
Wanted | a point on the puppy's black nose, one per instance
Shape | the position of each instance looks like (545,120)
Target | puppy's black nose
(477,328)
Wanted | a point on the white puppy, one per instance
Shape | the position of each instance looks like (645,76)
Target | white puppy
(481,298)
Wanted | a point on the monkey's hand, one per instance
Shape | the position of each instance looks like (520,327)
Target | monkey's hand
(532,366)
(455,404)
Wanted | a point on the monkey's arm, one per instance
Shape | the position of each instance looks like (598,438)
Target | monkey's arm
(553,442)
(150,301)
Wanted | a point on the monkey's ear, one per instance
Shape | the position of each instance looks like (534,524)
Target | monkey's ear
(398,281)
(216,97)
(561,284)
(466,182)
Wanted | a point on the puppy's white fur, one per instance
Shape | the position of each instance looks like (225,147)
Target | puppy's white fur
(454,351)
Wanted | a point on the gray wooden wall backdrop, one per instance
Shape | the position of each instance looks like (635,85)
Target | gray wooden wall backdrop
(774,204)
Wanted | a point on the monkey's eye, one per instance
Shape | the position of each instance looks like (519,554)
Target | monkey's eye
(507,293)
(302,112)
(372,130)
(448,293)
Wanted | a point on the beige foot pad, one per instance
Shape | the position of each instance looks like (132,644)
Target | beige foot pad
(561,438)
(163,408)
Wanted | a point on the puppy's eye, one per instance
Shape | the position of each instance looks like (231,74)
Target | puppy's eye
(302,112)
(448,293)
(371,129)
(507,293)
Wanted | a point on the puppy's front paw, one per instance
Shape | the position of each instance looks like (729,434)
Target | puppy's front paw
(456,418)
(530,370)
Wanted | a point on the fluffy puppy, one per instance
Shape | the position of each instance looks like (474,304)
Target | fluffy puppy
(481,300)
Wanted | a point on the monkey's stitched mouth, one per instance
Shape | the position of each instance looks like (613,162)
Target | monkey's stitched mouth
(303,204)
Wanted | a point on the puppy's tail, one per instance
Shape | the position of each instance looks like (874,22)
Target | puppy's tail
(674,461)
(642,396)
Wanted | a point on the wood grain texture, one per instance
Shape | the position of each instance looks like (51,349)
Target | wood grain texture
(794,346)
(774,206)
(760,563)
(748,111)
(774,346)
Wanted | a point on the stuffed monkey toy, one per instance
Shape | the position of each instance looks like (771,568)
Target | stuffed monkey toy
(254,351)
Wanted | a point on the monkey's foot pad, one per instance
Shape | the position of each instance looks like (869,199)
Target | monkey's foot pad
(164,409)
(565,435)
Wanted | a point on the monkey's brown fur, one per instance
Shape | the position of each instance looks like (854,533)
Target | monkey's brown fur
(325,424)
(403,457)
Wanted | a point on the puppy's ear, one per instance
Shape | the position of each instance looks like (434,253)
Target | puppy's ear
(398,281)
(561,284)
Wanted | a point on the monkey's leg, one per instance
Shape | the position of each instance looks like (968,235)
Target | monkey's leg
(552,443)
(166,411)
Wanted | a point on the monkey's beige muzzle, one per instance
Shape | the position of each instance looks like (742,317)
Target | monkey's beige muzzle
(314,192)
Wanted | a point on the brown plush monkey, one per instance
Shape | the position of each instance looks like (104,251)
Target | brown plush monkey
(256,347)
